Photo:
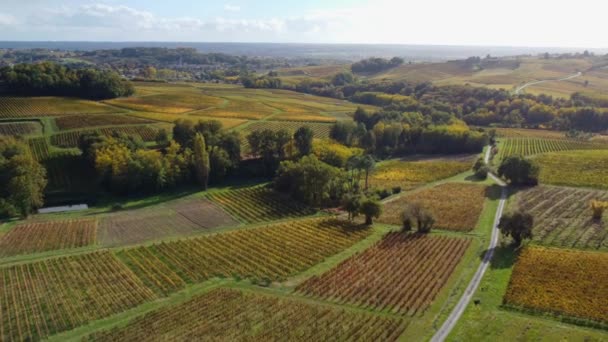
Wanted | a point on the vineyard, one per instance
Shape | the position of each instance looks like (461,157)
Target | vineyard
(22,107)
(409,174)
(575,168)
(563,217)
(529,133)
(170,118)
(233,315)
(320,130)
(46,236)
(70,139)
(258,204)
(39,148)
(563,282)
(54,295)
(273,252)
(19,128)
(82,121)
(531,146)
(173,100)
(402,273)
(181,218)
(455,206)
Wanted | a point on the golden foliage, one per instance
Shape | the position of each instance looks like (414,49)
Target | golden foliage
(564,282)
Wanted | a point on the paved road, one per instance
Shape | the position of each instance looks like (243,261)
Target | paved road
(519,89)
(455,315)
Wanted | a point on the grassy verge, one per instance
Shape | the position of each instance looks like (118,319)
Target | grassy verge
(487,321)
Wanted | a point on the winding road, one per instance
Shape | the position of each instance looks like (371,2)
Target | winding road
(520,88)
(457,312)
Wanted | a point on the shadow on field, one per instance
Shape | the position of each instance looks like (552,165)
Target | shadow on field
(493,192)
(505,256)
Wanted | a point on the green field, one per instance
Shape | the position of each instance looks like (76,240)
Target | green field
(575,168)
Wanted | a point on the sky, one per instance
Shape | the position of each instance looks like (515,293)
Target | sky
(542,23)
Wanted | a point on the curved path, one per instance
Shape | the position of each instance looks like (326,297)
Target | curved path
(520,88)
(457,312)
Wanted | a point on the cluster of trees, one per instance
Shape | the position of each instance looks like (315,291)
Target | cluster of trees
(251,81)
(22,179)
(475,105)
(519,171)
(390,132)
(376,64)
(272,147)
(51,79)
(199,153)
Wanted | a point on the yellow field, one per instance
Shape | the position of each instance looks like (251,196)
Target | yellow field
(232,102)
(18,107)
(408,174)
(575,168)
(506,74)
(456,206)
(562,282)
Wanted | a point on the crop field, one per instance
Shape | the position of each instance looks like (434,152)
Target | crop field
(402,273)
(562,282)
(270,253)
(22,107)
(19,128)
(563,217)
(172,100)
(181,218)
(59,294)
(409,174)
(575,168)
(529,133)
(39,148)
(82,121)
(45,236)
(455,206)
(259,204)
(170,118)
(70,139)
(233,315)
(531,146)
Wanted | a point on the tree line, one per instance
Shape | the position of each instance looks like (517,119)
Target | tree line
(52,79)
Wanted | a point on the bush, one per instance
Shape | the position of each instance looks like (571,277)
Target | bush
(396,190)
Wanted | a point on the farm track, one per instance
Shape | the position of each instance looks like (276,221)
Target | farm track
(520,88)
(464,301)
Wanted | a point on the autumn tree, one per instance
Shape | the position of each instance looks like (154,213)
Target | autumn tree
(598,208)
(201,160)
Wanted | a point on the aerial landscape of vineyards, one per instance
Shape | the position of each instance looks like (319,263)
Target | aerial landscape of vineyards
(345,186)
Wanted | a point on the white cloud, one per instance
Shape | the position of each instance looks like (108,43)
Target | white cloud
(7,20)
(232,8)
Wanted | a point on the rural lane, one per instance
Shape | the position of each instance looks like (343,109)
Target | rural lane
(457,312)
(520,88)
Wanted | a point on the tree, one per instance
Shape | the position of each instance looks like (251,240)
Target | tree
(183,132)
(311,181)
(22,179)
(352,204)
(519,171)
(598,208)
(162,138)
(481,169)
(201,160)
(418,214)
(361,164)
(303,140)
(518,225)
(371,208)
